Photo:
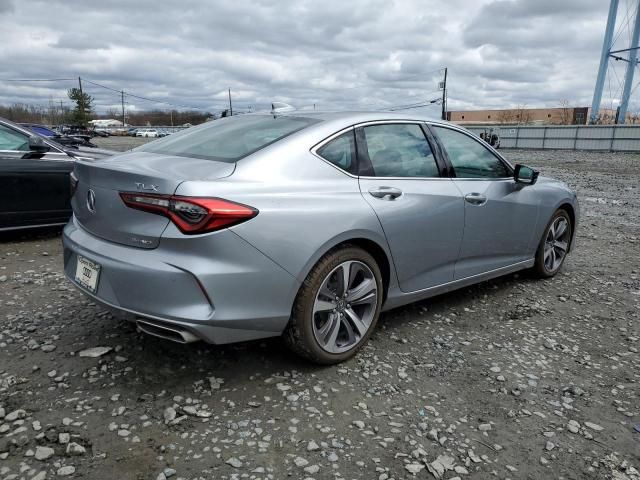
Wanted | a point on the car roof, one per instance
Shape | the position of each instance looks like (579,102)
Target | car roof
(343,119)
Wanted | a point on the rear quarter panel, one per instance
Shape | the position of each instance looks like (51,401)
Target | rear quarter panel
(306,206)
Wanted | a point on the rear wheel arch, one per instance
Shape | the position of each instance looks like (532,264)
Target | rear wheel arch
(372,247)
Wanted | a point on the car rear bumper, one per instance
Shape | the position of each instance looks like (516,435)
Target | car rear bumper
(215,287)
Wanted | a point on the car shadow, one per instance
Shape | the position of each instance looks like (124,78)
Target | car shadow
(31,234)
(159,365)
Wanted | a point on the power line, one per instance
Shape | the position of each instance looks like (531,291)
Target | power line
(36,79)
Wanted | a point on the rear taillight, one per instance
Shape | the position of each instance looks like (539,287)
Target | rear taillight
(192,215)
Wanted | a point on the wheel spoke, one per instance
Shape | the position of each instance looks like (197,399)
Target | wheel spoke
(331,335)
(326,292)
(351,334)
(560,228)
(560,245)
(356,321)
(324,305)
(363,290)
(345,277)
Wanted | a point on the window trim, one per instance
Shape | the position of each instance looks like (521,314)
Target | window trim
(440,165)
(444,167)
(451,169)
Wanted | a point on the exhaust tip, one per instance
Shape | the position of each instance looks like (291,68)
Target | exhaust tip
(172,333)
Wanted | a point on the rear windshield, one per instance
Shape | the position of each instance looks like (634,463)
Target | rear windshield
(229,139)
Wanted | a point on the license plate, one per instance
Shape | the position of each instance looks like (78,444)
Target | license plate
(87,273)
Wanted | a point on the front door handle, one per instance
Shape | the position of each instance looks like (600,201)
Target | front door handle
(385,193)
(475,198)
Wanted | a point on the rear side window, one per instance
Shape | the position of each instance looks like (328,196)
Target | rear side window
(229,139)
(341,151)
(399,150)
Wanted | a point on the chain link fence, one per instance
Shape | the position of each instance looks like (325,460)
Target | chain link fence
(611,138)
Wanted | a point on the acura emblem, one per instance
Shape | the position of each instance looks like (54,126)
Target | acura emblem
(91,201)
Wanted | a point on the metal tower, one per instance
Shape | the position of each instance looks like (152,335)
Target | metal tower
(607,53)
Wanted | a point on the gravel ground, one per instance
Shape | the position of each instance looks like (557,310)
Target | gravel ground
(513,378)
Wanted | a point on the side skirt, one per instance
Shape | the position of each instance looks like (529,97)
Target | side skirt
(399,298)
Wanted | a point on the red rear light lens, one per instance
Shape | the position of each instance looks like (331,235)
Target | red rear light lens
(192,215)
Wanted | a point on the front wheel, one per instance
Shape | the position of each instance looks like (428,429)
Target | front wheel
(337,307)
(554,245)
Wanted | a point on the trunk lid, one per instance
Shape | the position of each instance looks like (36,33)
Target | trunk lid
(98,207)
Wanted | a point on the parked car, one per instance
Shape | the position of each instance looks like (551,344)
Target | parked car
(147,132)
(34,177)
(132,132)
(72,140)
(306,225)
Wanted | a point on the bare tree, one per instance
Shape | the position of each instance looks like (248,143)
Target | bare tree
(523,115)
(566,112)
(506,116)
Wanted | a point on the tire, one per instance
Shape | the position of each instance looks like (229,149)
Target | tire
(326,336)
(551,245)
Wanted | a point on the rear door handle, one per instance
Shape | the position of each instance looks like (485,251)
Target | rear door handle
(475,198)
(385,193)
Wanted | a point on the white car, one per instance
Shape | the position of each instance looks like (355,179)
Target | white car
(147,132)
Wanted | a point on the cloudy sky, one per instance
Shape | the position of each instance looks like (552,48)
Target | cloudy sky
(333,53)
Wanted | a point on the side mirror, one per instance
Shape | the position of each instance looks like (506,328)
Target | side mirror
(525,175)
(37,144)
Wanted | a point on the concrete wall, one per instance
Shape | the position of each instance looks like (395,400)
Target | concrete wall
(612,138)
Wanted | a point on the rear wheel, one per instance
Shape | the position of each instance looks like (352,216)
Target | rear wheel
(337,307)
(554,245)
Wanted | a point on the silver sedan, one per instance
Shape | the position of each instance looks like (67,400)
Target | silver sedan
(306,225)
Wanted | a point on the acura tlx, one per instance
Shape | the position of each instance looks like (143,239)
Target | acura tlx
(305,225)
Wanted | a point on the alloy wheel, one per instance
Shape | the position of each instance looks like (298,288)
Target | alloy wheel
(345,306)
(556,244)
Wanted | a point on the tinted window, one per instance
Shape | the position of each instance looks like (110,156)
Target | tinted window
(12,140)
(399,150)
(469,158)
(229,139)
(341,151)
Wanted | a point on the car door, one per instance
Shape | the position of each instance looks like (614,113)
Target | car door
(34,187)
(500,214)
(420,210)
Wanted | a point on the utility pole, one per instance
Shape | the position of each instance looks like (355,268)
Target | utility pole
(631,68)
(230,107)
(604,61)
(123,118)
(444,95)
(81,102)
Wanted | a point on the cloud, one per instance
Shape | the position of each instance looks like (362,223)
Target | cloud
(335,54)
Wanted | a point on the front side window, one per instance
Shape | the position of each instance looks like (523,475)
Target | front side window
(399,150)
(229,139)
(469,158)
(12,140)
(341,151)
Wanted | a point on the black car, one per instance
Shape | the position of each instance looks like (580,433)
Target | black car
(34,177)
(68,139)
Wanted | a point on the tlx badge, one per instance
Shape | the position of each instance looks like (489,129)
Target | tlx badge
(150,187)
